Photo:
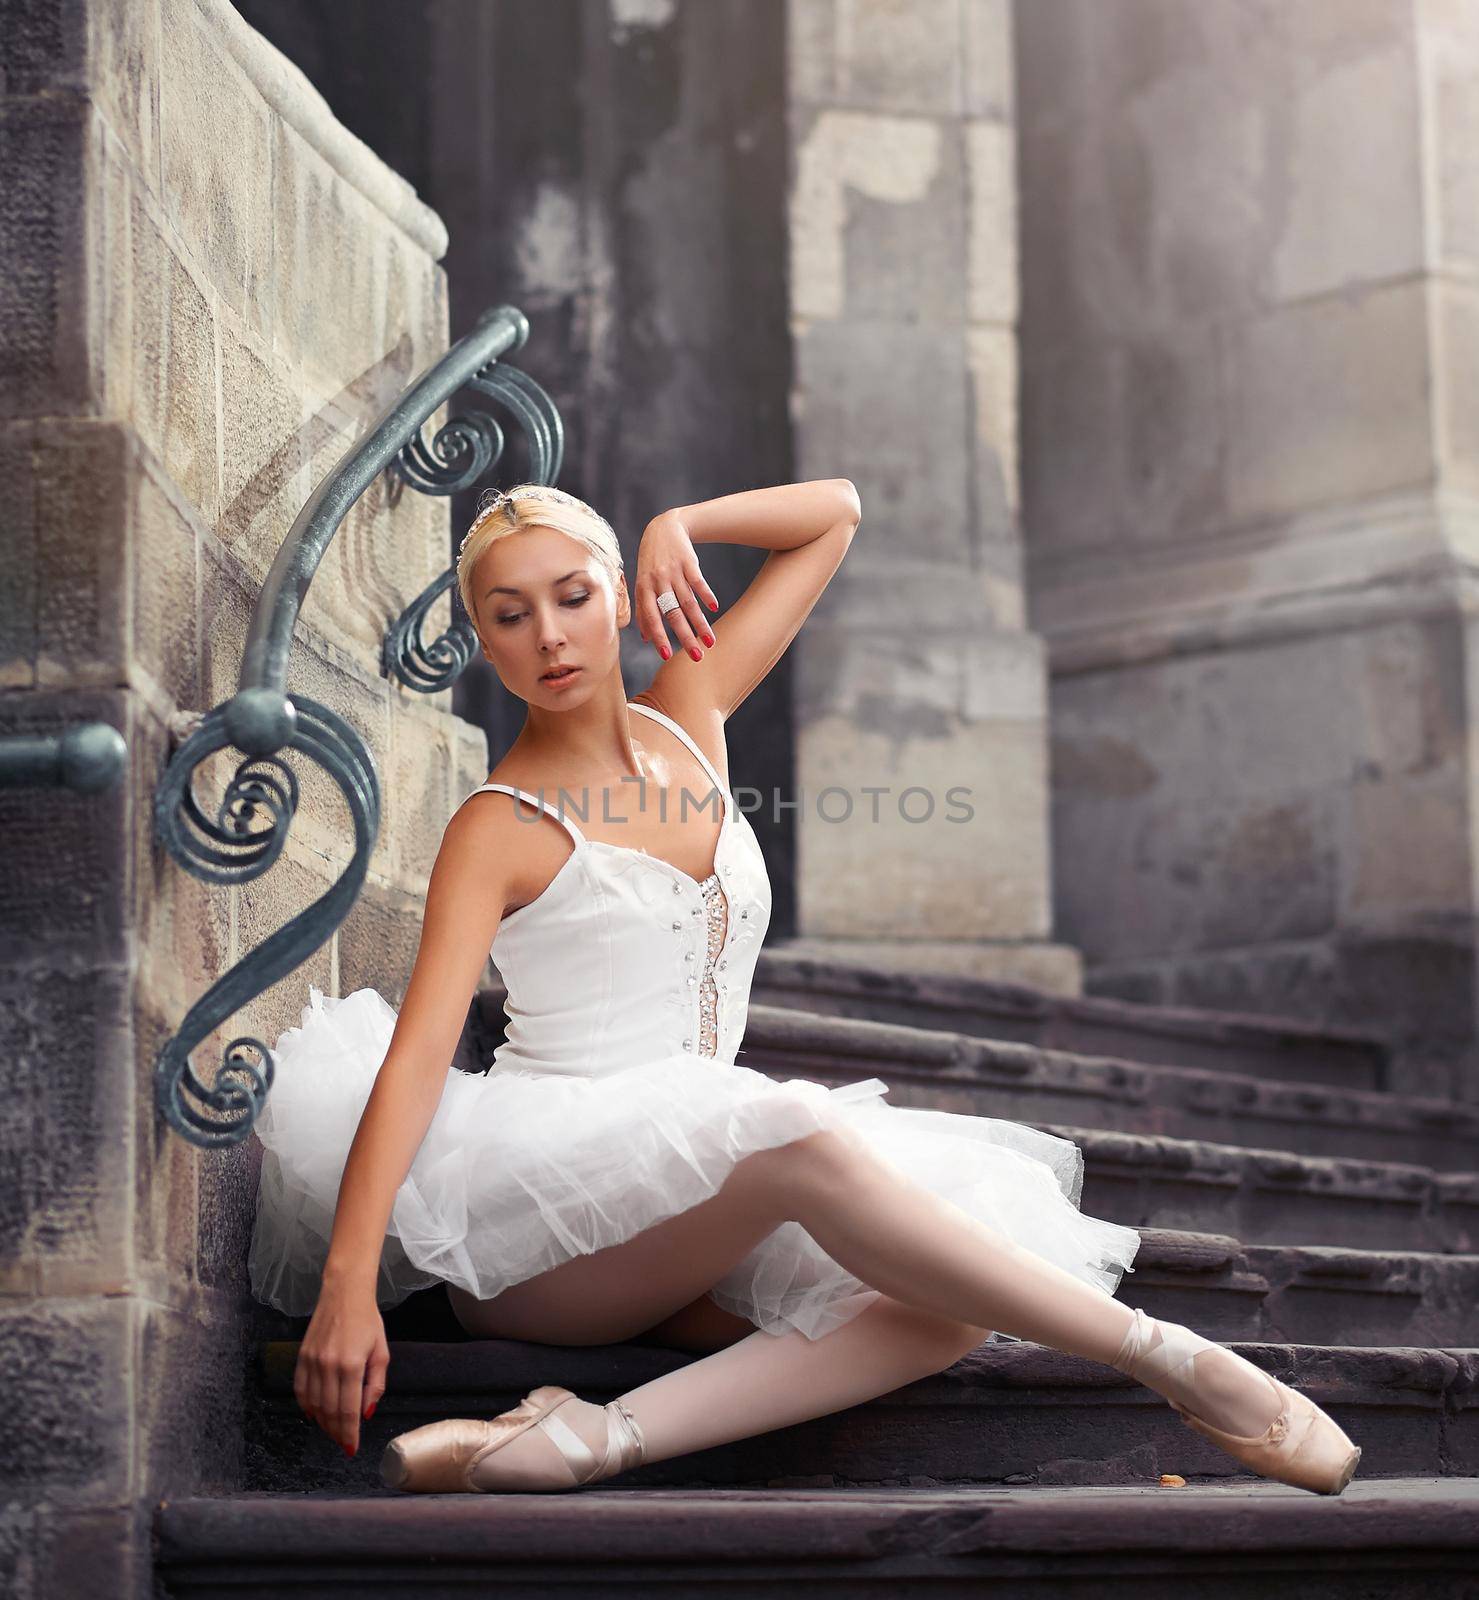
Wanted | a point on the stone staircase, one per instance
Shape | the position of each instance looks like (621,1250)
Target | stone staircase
(1289,1205)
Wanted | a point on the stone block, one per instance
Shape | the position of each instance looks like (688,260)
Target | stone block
(991,356)
(323,823)
(1074,420)
(419,783)
(378,941)
(227,595)
(1436,814)
(264,481)
(1329,401)
(114,185)
(182,923)
(43,256)
(68,1392)
(190,1368)
(18,576)
(226,1206)
(899,55)
(958,850)
(103,1551)
(81,473)
(216,164)
(165,1164)
(263,906)
(891,399)
(470,758)
(990,156)
(174,361)
(124,76)
(1456,372)
(328,266)
(46,45)
(864,665)
(876,226)
(63,872)
(986,66)
(163,572)
(66,1092)
(811,51)
(389,544)
(1350,175)
(1448,59)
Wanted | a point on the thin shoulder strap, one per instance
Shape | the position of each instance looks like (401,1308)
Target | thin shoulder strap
(534,800)
(704,761)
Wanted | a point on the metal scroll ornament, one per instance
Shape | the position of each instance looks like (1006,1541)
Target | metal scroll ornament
(243,836)
(240,840)
(462,452)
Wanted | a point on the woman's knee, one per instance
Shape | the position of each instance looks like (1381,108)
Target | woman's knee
(942,1340)
(786,1173)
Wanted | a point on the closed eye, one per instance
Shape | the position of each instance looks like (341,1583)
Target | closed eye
(516,616)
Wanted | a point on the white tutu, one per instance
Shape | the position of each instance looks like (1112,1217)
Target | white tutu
(519,1172)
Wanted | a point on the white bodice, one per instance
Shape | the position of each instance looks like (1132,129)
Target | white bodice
(624,957)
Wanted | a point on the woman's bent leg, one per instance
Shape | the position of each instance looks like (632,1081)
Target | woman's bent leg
(620,1292)
(766,1382)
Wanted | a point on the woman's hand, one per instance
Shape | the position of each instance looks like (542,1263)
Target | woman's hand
(342,1363)
(666,560)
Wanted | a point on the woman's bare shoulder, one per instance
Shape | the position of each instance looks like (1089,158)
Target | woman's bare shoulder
(699,718)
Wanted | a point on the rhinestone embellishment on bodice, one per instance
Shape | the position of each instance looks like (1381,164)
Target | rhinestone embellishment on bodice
(716,911)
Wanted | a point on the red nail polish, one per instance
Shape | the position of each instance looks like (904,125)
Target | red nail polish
(371,1411)
(708,638)
(697,654)
(666,652)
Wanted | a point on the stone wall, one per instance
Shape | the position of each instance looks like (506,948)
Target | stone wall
(208,287)
(916,672)
(1249,446)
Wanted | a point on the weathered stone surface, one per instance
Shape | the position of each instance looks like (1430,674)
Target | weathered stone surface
(43,360)
(68,1434)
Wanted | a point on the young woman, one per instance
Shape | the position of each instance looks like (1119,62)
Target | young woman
(616,1173)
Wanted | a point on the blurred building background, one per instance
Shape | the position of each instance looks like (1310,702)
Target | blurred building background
(1198,276)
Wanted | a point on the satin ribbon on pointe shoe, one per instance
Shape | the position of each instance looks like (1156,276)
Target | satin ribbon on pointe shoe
(1303,1446)
(460,1455)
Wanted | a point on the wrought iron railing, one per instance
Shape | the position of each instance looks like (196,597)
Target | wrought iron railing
(265,723)
(87,757)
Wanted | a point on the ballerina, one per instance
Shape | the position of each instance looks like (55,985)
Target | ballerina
(617,1173)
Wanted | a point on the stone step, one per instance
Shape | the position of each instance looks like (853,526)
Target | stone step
(950,1071)
(1258,1047)
(1400,1538)
(946,1071)
(1226,1290)
(1011,1412)
(1172,1036)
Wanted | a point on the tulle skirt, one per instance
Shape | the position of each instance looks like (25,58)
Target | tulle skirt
(519,1172)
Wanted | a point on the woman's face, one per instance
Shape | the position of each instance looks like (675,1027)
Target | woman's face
(544,600)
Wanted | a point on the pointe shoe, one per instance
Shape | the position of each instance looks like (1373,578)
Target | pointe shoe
(460,1455)
(1303,1445)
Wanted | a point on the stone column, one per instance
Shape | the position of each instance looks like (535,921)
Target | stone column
(916,674)
(207,289)
(1250,446)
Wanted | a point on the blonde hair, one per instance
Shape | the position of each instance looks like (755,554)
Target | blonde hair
(532,505)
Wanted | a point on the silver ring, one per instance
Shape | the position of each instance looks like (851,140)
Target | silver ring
(667,601)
